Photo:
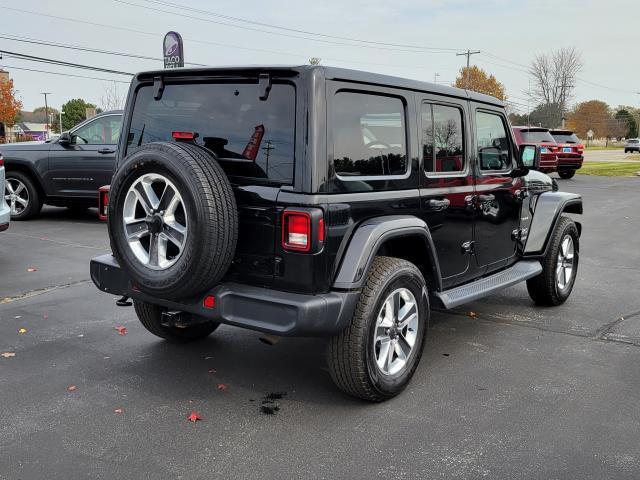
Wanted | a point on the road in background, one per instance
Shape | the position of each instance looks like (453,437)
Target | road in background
(616,155)
(516,391)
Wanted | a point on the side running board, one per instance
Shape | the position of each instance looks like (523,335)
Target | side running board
(469,292)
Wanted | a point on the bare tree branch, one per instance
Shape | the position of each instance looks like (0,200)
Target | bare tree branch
(112,99)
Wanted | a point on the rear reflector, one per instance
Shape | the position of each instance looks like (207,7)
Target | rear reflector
(184,135)
(321,230)
(209,302)
(296,231)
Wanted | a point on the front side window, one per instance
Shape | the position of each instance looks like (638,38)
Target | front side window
(369,135)
(494,151)
(442,139)
(102,131)
(250,137)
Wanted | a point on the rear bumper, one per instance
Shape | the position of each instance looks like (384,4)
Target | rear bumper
(548,163)
(573,162)
(271,311)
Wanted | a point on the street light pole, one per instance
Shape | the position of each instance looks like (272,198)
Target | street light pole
(46,111)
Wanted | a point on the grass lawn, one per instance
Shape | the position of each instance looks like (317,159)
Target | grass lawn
(610,169)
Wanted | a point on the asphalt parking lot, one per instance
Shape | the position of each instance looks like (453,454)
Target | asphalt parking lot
(517,391)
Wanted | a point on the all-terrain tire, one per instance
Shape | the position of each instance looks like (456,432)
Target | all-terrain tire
(209,207)
(151,315)
(566,174)
(544,289)
(34,204)
(351,354)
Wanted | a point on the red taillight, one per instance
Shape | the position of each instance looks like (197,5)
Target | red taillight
(1,160)
(103,202)
(209,302)
(184,135)
(321,230)
(296,231)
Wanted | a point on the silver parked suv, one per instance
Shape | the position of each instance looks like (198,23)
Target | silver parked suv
(632,145)
(5,212)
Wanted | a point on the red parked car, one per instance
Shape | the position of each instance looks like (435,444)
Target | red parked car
(548,146)
(570,152)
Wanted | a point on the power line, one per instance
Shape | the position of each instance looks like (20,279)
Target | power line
(468,54)
(63,74)
(33,58)
(279,27)
(37,41)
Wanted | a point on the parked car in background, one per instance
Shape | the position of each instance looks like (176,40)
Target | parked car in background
(541,137)
(66,171)
(632,145)
(570,152)
(5,212)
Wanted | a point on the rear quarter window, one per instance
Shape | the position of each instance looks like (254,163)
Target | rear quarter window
(251,138)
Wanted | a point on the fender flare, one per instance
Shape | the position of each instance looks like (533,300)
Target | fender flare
(548,210)
(367,240)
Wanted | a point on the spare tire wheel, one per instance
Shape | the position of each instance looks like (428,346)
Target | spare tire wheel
(173,220)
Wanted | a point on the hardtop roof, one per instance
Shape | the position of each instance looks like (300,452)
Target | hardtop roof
(332,73)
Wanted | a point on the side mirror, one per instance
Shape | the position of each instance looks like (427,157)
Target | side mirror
(65,138)
(530,156)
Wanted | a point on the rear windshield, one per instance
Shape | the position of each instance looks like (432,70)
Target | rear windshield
(251,138)
(537,136)
(566,138)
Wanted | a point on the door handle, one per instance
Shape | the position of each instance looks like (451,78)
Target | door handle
(438,204)
(106,150)
(486,198)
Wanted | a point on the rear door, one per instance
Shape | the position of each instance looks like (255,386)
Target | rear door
(497,193)
(252,139)
(447,184)
(81,167)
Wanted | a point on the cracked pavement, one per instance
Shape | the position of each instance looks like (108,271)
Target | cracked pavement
(519,391)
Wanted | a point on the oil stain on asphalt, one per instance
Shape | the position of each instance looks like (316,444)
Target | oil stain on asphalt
(269,404)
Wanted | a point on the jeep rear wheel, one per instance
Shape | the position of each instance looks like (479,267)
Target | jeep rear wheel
(376,356)
(151,318)
(173,220)
(559,268)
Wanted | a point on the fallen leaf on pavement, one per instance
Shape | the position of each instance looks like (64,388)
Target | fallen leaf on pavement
(122,330)
(119,410)
(45,316)
(8,354)
(194,417)
(473,314)
(222,387)
(72,388)
(18,316)
(22,330)
(212,371)
(44,238)
(32,269)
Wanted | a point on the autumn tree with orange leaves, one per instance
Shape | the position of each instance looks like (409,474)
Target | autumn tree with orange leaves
(9,105)
(477,80)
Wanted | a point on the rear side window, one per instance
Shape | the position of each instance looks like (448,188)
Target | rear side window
(565,138)
(369,135)
(494,151)
(251,138)
(536,136)
(442,139)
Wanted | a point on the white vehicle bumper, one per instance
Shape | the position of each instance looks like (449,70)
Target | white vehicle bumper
(5,211)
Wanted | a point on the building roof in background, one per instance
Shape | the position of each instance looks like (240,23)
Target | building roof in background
(33,127)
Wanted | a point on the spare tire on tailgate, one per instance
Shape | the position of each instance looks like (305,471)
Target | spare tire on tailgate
(173,220)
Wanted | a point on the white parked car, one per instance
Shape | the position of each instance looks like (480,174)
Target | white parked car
(5,211)
(632,145)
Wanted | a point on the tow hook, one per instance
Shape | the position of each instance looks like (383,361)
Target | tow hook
(124,301)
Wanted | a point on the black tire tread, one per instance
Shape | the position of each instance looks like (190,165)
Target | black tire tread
(345,356)
(542,288)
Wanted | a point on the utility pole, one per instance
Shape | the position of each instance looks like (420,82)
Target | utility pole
(60,112)
(46,111)
(467,54)
(267,148)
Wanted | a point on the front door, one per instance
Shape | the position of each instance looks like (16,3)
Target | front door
(497,192)
(447,185)
(78,169)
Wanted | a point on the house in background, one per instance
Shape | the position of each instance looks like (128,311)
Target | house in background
(36,131)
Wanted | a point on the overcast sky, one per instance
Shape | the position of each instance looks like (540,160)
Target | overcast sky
(508,33)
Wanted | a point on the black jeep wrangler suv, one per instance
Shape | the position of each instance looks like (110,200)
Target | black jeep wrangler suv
(314,201)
